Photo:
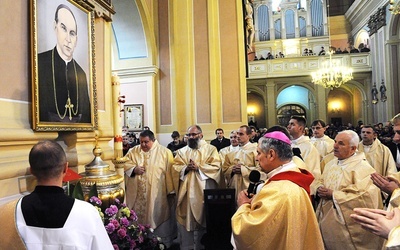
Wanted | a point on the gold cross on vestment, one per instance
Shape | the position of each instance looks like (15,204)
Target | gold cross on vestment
(69,106)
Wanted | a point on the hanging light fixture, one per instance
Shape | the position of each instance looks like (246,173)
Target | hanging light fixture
(394,7)
(332,74)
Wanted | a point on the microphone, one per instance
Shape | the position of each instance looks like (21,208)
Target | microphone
(254,178)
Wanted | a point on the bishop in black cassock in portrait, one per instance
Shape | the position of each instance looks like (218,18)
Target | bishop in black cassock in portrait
(63,89)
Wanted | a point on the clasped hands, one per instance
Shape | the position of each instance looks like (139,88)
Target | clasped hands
(236,169)
(324,193)
(386,184)
(377,221)
(192,166)
(139,170)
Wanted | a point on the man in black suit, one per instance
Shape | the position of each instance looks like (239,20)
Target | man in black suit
(220,142)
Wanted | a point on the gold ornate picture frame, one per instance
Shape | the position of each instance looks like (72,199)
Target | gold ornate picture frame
(133,117)
(63,78)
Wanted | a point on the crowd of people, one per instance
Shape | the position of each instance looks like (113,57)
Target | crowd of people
(361,48)
(269,56)
(340,174)
(384,132)
(315,189)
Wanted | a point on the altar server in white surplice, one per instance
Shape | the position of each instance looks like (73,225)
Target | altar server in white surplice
(309,153)
(48,218)
(238,164)
(322,142)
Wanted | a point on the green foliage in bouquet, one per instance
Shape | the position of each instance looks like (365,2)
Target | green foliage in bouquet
(77,192)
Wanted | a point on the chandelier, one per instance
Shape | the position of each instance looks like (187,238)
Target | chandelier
(394,7)
(332,74)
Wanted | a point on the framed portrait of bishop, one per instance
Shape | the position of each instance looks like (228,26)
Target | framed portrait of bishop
(63,82)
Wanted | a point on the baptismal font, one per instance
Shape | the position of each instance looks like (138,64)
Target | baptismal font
(107,181)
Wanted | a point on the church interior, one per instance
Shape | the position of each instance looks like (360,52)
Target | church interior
(179,63)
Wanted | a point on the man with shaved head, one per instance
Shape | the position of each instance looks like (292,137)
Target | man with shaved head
(48,218)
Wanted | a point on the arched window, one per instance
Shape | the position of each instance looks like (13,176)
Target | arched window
(285,112)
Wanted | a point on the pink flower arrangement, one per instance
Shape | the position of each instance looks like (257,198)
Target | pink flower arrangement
(124,230)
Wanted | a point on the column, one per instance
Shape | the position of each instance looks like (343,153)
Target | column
(271,103)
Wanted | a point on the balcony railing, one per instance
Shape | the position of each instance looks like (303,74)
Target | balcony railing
(304,65)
